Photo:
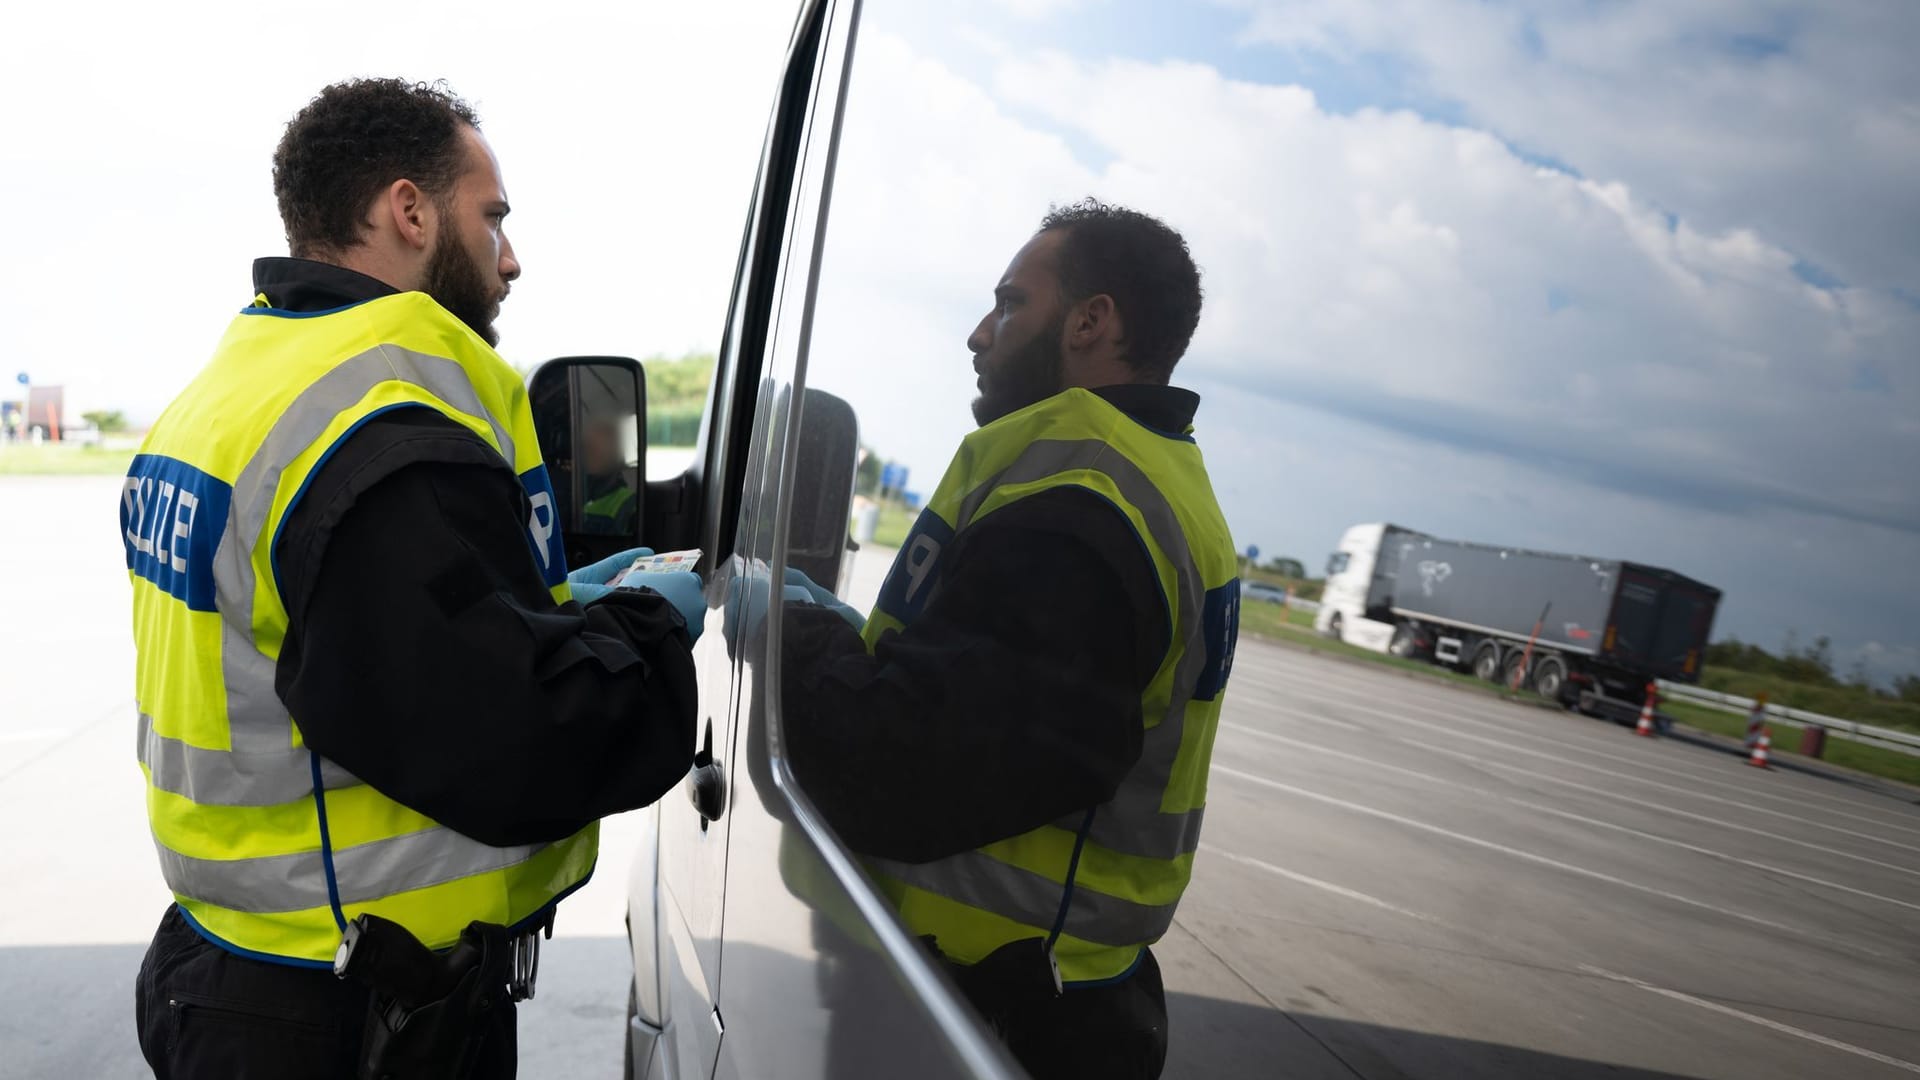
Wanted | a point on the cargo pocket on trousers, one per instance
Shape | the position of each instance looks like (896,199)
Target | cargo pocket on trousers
(219,1037)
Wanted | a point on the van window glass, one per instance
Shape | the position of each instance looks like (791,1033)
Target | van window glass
(1568,286)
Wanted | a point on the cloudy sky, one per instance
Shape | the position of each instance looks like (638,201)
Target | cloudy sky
(1633,278)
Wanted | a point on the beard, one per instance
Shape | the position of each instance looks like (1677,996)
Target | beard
(456,282)
(1027,377)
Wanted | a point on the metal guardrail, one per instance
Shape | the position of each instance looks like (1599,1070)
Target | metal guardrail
(1903,742)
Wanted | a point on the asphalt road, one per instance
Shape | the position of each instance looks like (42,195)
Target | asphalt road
(1404,879)
(1398,878)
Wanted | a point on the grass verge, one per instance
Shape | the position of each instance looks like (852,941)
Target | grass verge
(895,522)
(1263,620)
(54,459)
(1849,755)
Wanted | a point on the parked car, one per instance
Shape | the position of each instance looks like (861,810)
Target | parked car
(1263,592)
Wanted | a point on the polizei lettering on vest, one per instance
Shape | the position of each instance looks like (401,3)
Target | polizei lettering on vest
(915,576)
(171,518)
(540,524)
(920,559)
(543,525)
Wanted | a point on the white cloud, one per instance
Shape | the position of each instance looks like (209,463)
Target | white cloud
(1038,10)
(1405,318)
(1511,350)
(1804,117)
(136,153)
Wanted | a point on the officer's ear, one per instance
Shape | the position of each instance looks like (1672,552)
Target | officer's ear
(409,211)
(1094,322)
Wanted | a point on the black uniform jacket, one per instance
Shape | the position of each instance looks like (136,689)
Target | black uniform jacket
(425,654)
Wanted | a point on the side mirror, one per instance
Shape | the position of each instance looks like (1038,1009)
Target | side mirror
(590,412)
(823,490)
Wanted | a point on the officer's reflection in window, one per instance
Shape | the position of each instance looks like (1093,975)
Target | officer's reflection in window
(608,444)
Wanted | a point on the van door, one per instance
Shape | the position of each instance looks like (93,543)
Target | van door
(695,826)
(818,978)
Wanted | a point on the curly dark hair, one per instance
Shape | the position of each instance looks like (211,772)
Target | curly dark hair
(351,142)
(1140,262)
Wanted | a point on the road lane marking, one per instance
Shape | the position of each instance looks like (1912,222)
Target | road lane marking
(1697,849)
(1444,782)
(1526,856)
(1303,879)
(1829,802)
(1372,763)
(1774,1025)
(1282,703)
(1631,801)
(31,734)
(1357,683)
(1511,746)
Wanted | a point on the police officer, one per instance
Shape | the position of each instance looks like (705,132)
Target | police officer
(1018,740)
(366,684)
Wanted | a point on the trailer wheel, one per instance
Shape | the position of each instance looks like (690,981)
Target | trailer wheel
(1333,627)
(1404,642)
(1510,672)
(1550,677)
(1486,661)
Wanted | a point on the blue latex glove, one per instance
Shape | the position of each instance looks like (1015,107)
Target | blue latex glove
(825,599)
(683,590)
(585,593)
(747,603)
(599,573)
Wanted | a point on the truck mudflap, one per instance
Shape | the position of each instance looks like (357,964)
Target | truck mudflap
(1596,704)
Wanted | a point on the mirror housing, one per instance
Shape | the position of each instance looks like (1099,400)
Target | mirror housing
(823,493)
(591,416)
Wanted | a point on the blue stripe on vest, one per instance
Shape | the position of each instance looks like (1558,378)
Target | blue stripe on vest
(171,518)
(543,526)
(915,576)
(1220,624)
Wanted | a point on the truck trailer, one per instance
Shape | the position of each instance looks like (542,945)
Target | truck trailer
(1587,632)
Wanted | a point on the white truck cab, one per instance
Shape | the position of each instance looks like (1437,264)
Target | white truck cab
(1352,570)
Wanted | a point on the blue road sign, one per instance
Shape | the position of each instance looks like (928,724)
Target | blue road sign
(893,477)
(22,379)
(1253,552)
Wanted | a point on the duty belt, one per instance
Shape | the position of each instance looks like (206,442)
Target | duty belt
(428,1012)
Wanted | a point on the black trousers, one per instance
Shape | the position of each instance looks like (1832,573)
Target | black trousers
(1114,1032)
(205,1012)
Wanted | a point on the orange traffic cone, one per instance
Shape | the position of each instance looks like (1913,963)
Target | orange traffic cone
(1645,726)
(1760,747)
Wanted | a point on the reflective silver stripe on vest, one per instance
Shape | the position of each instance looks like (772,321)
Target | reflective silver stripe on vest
(256,718)
(982,881)
(1131,824)
(364,872)
(233,777)
(264,768)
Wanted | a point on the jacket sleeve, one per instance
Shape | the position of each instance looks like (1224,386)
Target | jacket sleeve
(426,656)
(1012,701)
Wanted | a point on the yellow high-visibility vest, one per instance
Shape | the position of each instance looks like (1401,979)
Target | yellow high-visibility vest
(1102,885)
(269,848)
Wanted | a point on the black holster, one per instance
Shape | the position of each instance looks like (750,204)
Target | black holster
(428,1012)
(1012,979)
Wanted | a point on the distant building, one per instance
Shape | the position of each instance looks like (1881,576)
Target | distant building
(46,410)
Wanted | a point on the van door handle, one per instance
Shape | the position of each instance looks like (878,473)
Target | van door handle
(707,787)
(707,782)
